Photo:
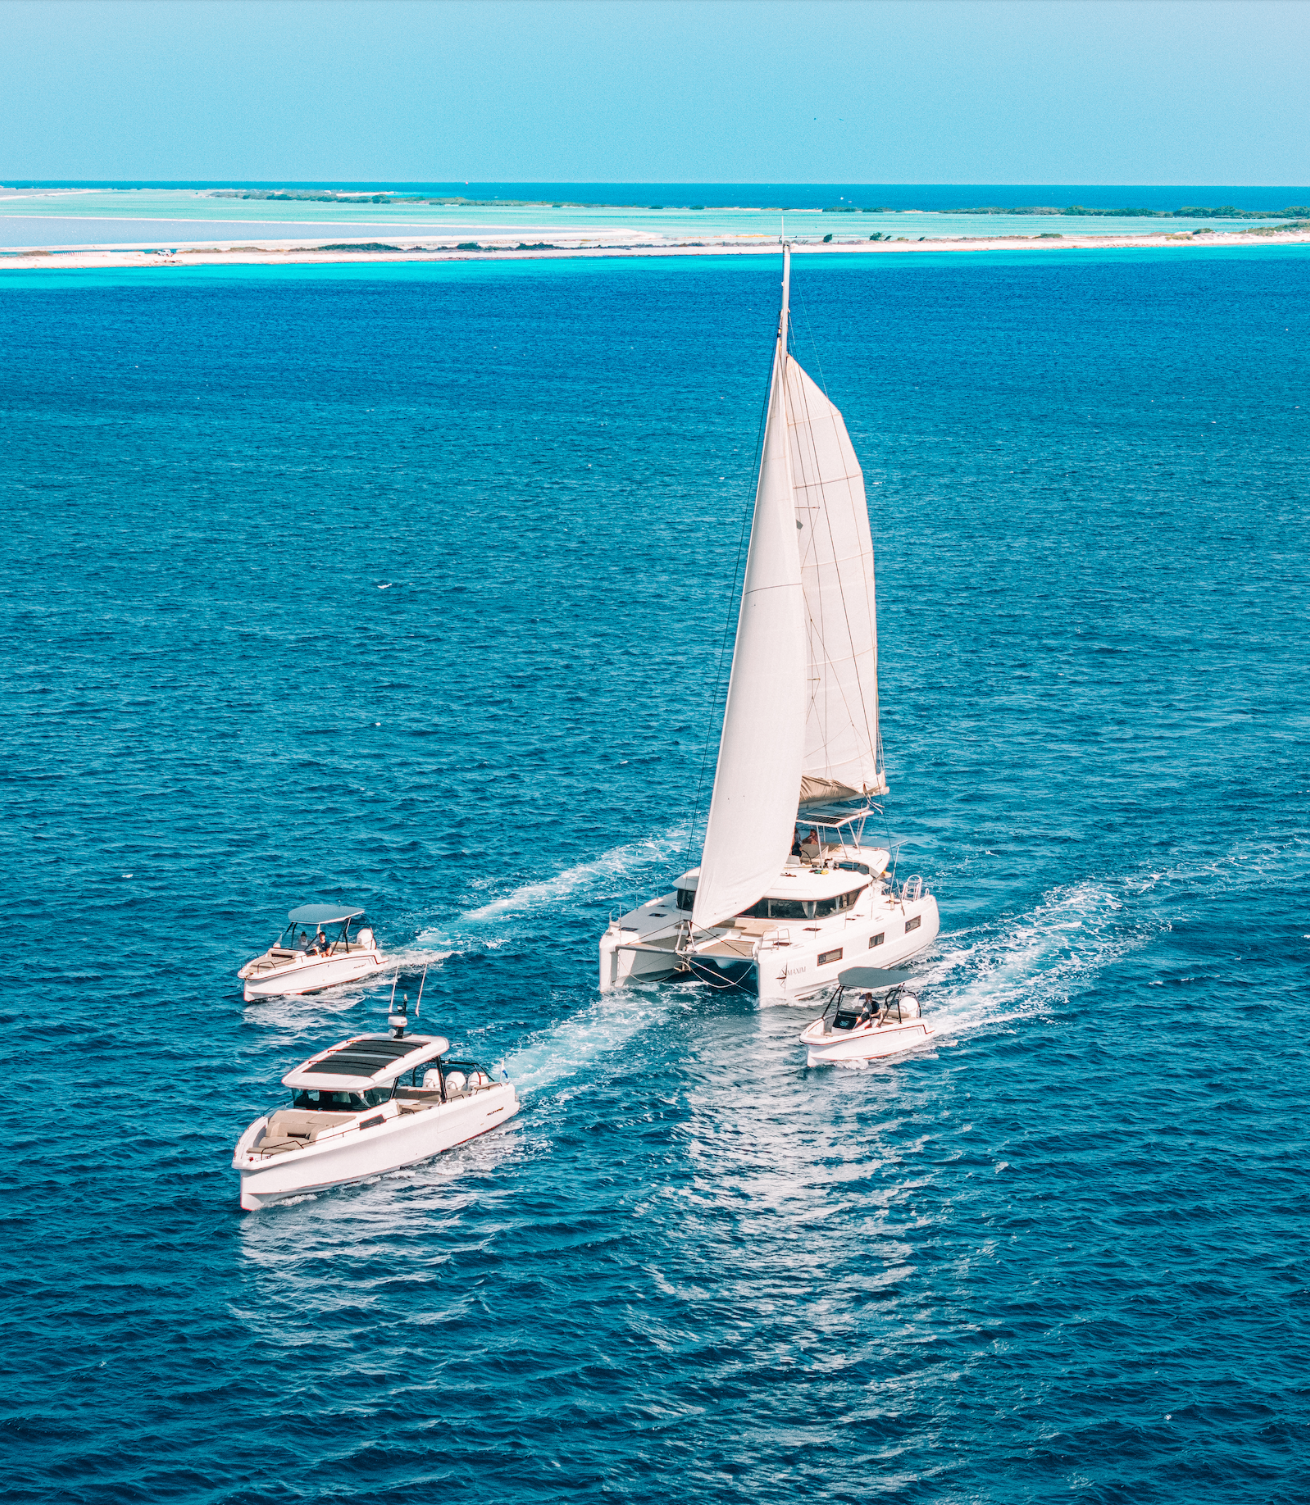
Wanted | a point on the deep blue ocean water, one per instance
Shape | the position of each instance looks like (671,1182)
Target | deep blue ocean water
(407,585)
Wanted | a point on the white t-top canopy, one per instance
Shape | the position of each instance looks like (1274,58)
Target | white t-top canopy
(366,1061)
(324,914)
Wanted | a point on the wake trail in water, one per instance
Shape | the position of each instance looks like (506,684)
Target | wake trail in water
(1006,971)
(1020,967)
(633,865)
(596,1031)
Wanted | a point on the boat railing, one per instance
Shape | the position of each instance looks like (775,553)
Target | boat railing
(772,938)
(913,888)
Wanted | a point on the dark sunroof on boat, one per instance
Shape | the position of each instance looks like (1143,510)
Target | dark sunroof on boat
(365,1057)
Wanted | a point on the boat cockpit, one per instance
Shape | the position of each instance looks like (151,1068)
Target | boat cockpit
(827,832)
(855,1008)
(777,907)
(825,875)
(321,930)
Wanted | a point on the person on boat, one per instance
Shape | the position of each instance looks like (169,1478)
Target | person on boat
(320,943)
(304,941)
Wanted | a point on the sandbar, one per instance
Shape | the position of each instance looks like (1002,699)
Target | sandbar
(505,248)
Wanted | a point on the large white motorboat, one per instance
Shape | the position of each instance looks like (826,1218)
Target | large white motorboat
(862,1027)
(315,951)
(371,1104)
(786,894)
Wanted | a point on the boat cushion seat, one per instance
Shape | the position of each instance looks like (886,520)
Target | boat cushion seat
(290,1124)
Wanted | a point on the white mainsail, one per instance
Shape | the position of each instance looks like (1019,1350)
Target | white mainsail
(801,719)
(753,807)
(843,752)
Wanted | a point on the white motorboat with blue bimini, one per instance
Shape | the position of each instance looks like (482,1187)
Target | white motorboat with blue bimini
(786,894)
(858,1026)
(371,1104)
(317,950)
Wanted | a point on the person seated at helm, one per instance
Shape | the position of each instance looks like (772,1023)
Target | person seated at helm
(320,943)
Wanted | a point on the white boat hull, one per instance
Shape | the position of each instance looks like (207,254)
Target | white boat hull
(355,1154)
(309,974)
(864,1043)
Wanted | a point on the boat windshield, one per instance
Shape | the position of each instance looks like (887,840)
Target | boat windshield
(853,1009)
(321,1100)
(303,937)
(859,1007)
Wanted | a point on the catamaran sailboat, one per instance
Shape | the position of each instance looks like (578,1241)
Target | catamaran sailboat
(787,895)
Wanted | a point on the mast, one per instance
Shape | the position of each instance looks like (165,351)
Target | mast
(784,318)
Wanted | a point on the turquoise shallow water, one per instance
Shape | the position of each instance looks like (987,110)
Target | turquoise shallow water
(149,215)
(405,584)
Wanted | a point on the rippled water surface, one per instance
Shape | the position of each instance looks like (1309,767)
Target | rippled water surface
(406,585)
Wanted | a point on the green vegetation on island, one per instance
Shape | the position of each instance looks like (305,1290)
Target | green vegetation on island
(1188,211)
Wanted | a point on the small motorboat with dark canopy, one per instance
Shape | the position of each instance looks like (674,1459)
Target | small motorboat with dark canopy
(857,1026)
(318,949)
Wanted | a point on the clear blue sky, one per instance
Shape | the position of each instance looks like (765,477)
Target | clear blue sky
(953,91)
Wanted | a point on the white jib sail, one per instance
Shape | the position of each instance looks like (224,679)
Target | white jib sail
(753,807)
(843,753)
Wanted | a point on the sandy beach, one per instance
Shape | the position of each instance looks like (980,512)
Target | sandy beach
(277,253)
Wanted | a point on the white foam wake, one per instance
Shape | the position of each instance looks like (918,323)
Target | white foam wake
(567,1048)
(633,865)
(1025,965)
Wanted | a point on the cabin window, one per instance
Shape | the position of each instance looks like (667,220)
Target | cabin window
(320,1100)
(854,867)
(913,924)
(686,897)
(877,940)
(829,956)
(801,909)
(790,909)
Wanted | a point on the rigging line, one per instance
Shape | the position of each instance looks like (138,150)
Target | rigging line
(814,345)
(748,513)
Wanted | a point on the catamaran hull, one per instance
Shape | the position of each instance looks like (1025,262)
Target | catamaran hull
(360,1154)
(868,1044)
(310,976)
(792,972)
(624,958)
